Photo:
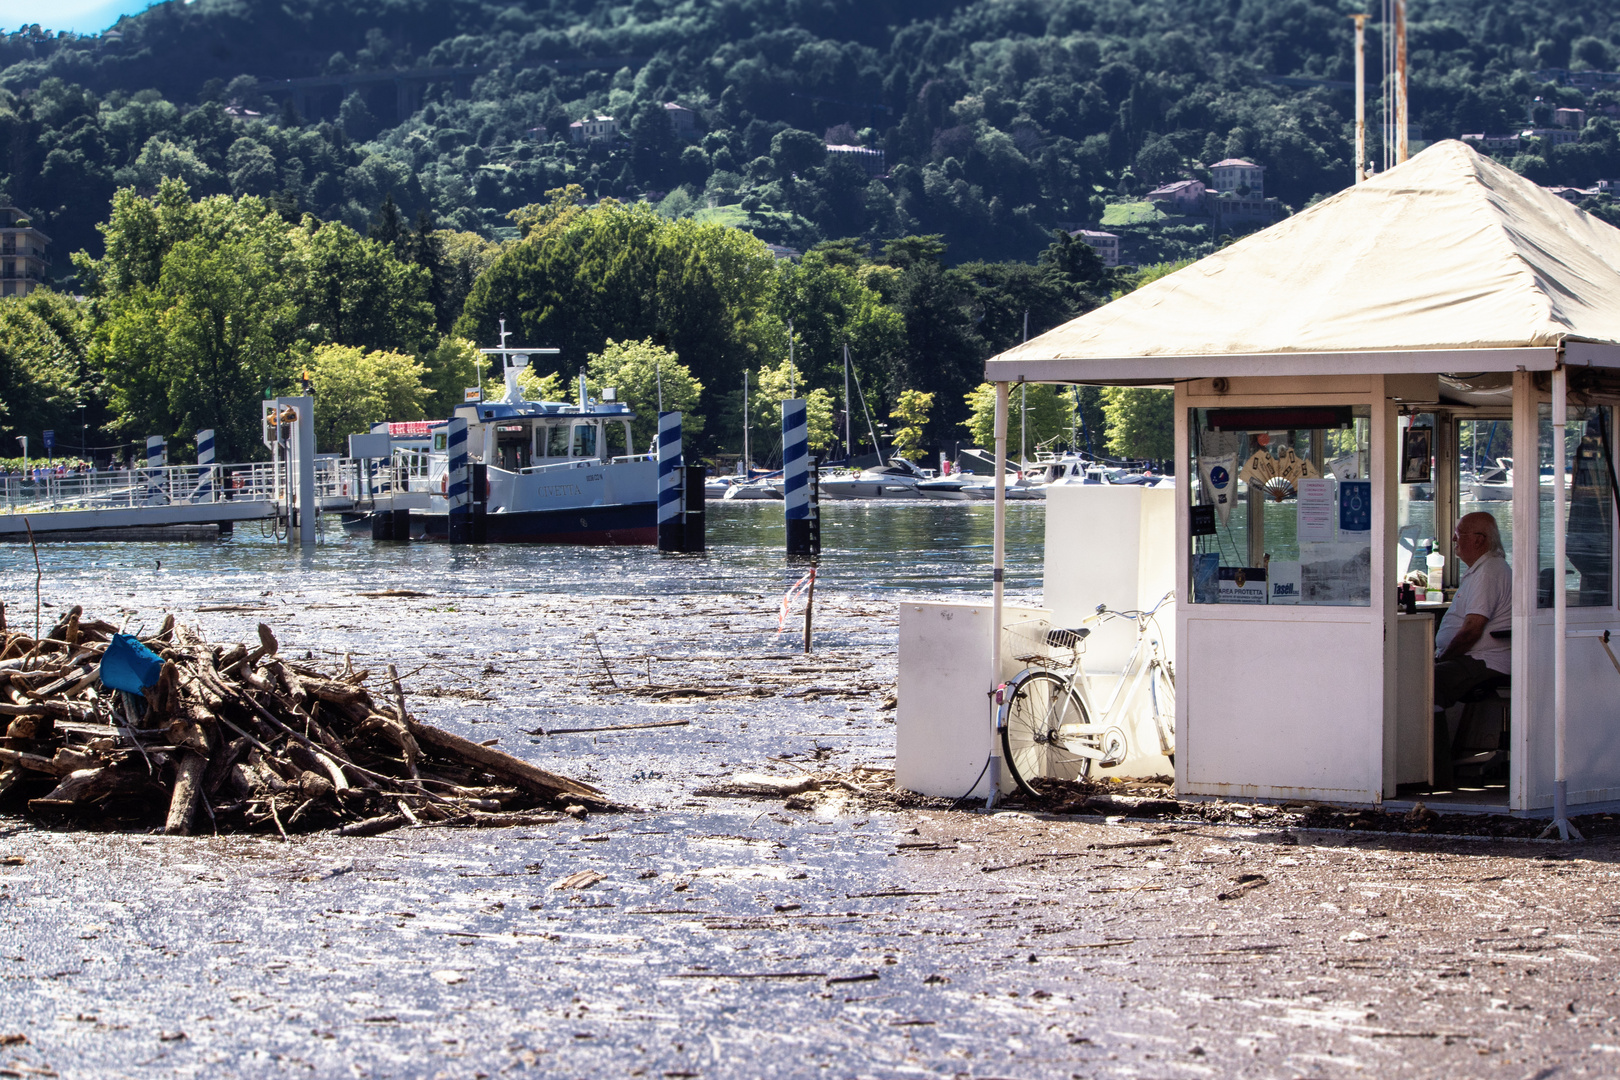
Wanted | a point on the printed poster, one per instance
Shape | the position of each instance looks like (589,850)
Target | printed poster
(1355,511)
(1283,579)
(1315,510)
(1243,584)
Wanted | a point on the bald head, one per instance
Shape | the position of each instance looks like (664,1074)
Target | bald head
(1475,536)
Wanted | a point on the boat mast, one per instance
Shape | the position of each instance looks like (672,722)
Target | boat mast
(793,381)
(849,418)
(1023,407)
(747,466)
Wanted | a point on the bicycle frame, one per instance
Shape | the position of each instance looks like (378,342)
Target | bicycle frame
(1130,681)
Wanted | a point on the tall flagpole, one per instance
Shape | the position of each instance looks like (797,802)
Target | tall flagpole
(1361,97)
(1402,117)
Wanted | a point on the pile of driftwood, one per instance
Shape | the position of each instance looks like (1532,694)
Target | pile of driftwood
(238,738)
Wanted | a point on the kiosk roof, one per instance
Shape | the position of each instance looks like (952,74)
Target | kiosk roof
(1449,251)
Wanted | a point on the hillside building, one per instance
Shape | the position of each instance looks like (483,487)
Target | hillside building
(864,156)
(1238,177)
(22,253)
(593,129)
(1181,197)
(681,119)
(1105,244)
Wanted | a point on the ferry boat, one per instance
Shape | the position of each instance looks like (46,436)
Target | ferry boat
(556,472)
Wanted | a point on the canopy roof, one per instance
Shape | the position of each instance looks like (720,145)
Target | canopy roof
(1448,251)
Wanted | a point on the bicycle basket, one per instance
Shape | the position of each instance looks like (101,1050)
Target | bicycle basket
(1026,643)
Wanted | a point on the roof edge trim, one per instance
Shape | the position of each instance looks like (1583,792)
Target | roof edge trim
(1132,370)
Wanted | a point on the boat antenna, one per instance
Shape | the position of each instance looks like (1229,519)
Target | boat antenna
(658,367)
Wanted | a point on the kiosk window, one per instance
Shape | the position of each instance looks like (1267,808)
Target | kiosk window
(1589,504)
(1282,503)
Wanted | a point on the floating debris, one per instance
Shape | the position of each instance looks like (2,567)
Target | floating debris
(171,731)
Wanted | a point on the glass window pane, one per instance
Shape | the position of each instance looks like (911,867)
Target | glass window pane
(1283,504)
(585,440)
(557,441)
(613,435)
(1589,536)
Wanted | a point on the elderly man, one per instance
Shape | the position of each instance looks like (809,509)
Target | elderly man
(1465,652)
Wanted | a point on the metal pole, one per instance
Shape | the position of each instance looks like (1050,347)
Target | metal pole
(849,415)
(997,576)
(1361,97)
(748,471)
(1560,415)
(1401,114)
(793,372)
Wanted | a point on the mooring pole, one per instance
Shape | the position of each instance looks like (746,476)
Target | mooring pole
(458,484)
(796,476)
(671,475)
(204,490)
(304,448)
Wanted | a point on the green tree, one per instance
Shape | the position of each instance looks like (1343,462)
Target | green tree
(911,408)
(449,368)
(355,389)
(634,369)
(354,291)
(774,385)
(1050,415)
(623,273)
(43,369)
(1141,423)
(195,313)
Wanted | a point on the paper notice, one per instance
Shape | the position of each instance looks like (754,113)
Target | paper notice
(1283,578)
(1316,511)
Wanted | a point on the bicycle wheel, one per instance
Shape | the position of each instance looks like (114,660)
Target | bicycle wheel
(1163,688)
(1038,705)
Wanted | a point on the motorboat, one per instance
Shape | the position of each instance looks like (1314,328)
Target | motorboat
(896,480)
(555,472)
(970,487)
(1493,483)
(768,486)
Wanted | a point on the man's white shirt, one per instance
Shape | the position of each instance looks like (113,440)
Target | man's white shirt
(1486,588)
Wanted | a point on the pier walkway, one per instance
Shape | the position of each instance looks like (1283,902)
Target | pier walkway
(183,495)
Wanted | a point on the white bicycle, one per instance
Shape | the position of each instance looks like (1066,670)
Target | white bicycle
(1047,730)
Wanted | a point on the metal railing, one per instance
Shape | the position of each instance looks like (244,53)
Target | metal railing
(116,489)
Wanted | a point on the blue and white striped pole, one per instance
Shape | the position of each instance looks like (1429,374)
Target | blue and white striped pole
(671,527)
(796,478)
(204,491)
(458,485)
(157,457)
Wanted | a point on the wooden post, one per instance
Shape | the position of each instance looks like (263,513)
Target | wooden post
(809,607)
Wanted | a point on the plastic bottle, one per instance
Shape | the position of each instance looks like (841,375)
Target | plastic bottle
(1437,567)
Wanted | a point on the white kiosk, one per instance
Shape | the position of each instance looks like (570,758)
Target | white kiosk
(1449,298)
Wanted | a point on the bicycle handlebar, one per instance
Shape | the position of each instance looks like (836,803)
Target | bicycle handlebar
(1104,612)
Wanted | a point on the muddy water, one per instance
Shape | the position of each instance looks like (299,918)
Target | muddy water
(737,938)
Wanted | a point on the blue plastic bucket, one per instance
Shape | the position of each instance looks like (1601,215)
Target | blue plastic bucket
(129,665)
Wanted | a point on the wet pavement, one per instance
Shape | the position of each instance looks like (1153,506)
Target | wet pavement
(735,937)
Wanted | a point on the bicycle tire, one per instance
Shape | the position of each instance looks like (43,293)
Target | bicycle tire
(1038,704)
(1163,688)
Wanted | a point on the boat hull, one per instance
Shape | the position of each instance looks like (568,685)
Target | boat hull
(611,526)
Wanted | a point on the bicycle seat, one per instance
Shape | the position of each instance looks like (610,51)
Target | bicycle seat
(1065,639)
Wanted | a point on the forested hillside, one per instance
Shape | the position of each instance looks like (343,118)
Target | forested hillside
(999,119)
(243,189)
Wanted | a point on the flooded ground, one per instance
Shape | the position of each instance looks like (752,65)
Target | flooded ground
(733,937)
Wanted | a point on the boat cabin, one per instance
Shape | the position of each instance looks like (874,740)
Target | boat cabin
(536,434)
